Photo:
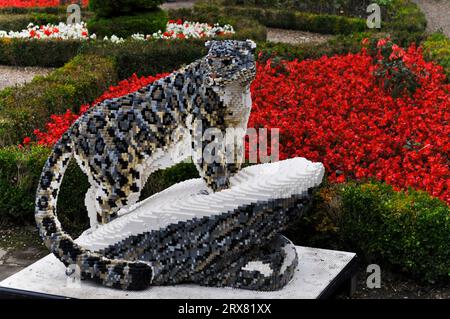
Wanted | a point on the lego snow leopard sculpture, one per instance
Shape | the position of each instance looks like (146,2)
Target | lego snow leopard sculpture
(118,143)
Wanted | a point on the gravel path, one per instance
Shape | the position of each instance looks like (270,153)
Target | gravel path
(11,75)
(295,37)
(178,4)
(437,13)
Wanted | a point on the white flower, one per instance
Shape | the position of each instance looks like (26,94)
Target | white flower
(80,32)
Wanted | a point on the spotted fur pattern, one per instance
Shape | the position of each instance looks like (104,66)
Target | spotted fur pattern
(120,142)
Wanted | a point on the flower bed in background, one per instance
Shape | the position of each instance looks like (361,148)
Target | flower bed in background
(174,30)
(185,30)
(61,31)
(334,110)
(36,3)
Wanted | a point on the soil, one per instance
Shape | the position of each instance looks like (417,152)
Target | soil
(396,286)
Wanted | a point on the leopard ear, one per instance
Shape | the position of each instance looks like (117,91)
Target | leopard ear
(251,44)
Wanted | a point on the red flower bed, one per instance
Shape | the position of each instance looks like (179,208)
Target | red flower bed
(335,111)
(37,3)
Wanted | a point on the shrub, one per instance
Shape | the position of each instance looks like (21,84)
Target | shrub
(14,22)
(406,231)
(149,57)
(125,26)
(29,107)
(20,170)
(110,8)
(18,22)
(437,48)
(335,7)
(48,53)
(290,19)
(409,231)
(406,22)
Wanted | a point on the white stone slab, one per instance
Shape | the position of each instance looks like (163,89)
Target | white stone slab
(317,269)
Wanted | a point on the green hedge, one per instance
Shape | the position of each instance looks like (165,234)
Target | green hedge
(26,108)
(409,231)
(24,10)
(18,22)
(20,170)
(44,53)
(336,7)
(404,231)
(114,8)
(406,22)
(437,48)
(19,174)
(291,19)
(125,26)
(149,58)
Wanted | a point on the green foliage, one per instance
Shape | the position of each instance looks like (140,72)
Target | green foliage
(24,10)
(125,26)
(46,18)
(406,22)
(48,53)
(27,108)
(409,231)
(406,231)
(437,48)
(18,179)
(334,7)
(149,57)
(156,56)
(291,19)
(338,45)
(162,179)
(18,22)
(20,171)
(391,72)
(114,8)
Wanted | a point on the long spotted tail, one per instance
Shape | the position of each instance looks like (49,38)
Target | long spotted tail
(110,272)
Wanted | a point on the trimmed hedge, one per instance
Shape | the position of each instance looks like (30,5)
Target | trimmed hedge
(406,231)
(20,170)
(410,231)
(437,48)
(291,19)
(406,22)
(402,19)
(18,22)
(114,8)
(29,107)
(23,10)
(149,57)
(44,53)
(125,26)
(336,7)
